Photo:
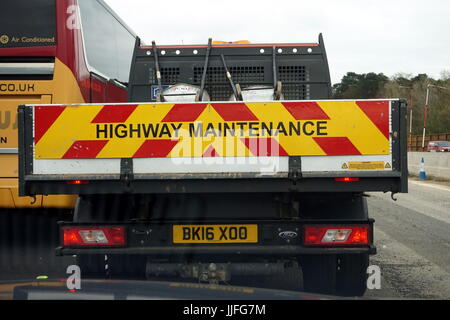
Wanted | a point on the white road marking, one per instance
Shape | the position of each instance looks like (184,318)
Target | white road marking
(430,185)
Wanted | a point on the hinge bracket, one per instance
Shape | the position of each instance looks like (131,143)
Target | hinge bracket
(295,168)
(126,170)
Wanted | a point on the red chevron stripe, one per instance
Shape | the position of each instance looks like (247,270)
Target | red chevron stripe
(155,148)
(264,147)
(85,149)
(114,113)
(185,112)
(234,112)
(306,111)
(211,153)
(378,113)
(44,118)
(337,146)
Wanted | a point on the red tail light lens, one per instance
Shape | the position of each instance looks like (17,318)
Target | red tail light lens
(77,182)
(346,179)
(94,237)
(336,235)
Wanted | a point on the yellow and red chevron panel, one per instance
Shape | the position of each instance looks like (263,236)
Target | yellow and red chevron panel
(230,129)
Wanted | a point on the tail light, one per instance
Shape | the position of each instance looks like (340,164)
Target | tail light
(93,237)
(77,182)
(332,235)
(346,179)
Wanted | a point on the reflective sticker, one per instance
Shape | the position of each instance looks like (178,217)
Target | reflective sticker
(366,165)
(226,129)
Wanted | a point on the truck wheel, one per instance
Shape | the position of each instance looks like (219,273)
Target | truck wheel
(289,280)
(91,266)
(352,274)
(104,209)
(126,267)
(343,275)
(319,273)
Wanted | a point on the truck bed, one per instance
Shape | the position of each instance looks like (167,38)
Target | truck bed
(213,147)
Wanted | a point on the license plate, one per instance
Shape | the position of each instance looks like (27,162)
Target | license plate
(215,233)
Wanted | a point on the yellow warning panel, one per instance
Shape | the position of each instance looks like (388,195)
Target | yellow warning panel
(366,165)
(388,166)
(216,129)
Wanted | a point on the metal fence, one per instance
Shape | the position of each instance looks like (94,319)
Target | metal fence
(415,141)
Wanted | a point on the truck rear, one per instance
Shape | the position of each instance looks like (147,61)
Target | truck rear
(228,160)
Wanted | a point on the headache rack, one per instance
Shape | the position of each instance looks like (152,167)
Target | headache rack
(185,110)
(300,70)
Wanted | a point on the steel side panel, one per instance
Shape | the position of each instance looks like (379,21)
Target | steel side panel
(212,167)
(262,165)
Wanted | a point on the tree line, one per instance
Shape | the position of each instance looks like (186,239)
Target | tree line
(413,88)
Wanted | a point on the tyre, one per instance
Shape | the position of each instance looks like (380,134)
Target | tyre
(289,280)
(340,275)
(91,266)
(126,267)
(352,275)
(319,274)
(106,209)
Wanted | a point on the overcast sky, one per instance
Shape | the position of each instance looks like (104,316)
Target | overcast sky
(387,36)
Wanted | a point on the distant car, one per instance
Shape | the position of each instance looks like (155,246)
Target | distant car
(439,146)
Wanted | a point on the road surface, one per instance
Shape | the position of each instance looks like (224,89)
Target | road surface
(412,236)
(413,240)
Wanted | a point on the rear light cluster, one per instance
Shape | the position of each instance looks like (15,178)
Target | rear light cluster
(346,179)
(342,235)
(77,182)
(93,237)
